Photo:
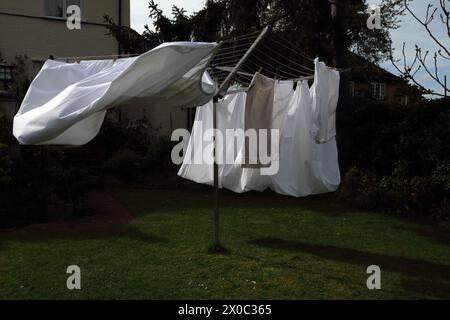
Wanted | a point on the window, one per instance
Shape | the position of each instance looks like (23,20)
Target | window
(404,100)
(5,72)
(58,8)
(54,8)
(378,91)
(6,77)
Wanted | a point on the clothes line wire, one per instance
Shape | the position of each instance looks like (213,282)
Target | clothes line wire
(279,54)
(229,69)
(264,43)
(225,62)
(239,53)
(295,73)
(276,39)
(288,46)
(225,49)
(278,74)
(277,61)
(254,66)
(254,34)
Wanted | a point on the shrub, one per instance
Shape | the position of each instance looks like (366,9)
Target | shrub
(419,197)
(401,163)
(124,165)
(5,165)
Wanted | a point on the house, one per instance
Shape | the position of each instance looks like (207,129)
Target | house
(38,29)
(369,81)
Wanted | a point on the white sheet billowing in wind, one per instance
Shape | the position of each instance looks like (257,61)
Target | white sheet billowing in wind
(67,102)
(308,151)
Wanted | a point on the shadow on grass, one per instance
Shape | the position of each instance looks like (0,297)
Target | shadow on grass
(114,232)
(319,203)
(422,277)
(426,287)
(167,201)
(218,249)
(437,234)
(405,266)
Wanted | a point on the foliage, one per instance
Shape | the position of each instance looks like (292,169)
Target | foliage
(21,74)
(307,24)
(420,197)
(5,161)
(131,41)
(374,45)
(124,165)
(5,165)
(402,160)
(40,183)
(45,185)
(138,152)
(124,135)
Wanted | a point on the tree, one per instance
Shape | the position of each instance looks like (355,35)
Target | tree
(421,59)
(306,24)
(178,29)
(373,45)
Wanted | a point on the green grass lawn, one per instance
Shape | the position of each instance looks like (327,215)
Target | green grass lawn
(279,248)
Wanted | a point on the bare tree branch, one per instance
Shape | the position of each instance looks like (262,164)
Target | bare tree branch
(420,62)
(445,16)
(406,71)
(429,18)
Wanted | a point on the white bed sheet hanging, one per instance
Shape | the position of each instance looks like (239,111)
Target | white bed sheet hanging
(306,167)
(67,102)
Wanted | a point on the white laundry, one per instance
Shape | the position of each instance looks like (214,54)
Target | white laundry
(66,103)
(325,93)
(295,176)
(230,115)
(306,166)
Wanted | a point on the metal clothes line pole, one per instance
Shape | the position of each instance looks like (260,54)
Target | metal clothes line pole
(216,179)
(220,93)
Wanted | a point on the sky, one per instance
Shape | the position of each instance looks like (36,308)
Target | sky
(140,11)
(410,31)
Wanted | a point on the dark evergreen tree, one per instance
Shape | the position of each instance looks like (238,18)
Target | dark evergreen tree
(307,24)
